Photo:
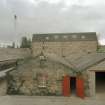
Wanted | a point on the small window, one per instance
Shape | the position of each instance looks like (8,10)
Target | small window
(42,80)
(47,38)
(65,37)
(74,36)
(83,37)
(42,57)
(56,36)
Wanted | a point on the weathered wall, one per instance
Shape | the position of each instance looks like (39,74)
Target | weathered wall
(64,48)
(32,79)
(13,53)
(89,83)
(92,78)
(3,87)
(91,75)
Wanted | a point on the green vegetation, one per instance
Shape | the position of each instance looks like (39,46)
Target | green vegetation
(25,43)
(101,49)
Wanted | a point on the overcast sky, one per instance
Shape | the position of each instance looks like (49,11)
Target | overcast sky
(42,16)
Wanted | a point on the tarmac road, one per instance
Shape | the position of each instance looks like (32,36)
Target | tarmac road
(51,100)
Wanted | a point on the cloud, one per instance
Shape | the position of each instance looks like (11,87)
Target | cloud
(42,16)
(36,2)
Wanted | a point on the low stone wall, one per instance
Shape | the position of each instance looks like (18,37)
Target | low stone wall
(14,53)
(26,85)
(3,87)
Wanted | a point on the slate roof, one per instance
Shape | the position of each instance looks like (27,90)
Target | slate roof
(98,67)
(63,37)
(88,60)
(59,59)
(81,63)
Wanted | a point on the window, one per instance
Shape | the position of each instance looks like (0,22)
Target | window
(47,38)
(42,61)
(74,36)
(65,37)
(56,36)
(83,37)
(42,57)
(42,80)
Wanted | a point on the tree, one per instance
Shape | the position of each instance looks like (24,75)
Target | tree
(13,45)
(25,43)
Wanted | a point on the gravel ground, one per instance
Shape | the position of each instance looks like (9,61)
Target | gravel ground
(51,100)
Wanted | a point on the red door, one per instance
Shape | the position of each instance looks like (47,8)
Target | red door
(80,87)
(66,86)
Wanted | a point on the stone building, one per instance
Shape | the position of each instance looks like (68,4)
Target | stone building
(60,64)
(3,81)
(65,44)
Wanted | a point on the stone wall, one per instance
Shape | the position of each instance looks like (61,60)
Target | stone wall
(92,90)
(100,67)
(13,53)
(3,87)
(31,79)
(64,48)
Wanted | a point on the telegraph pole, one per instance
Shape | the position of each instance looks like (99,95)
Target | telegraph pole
(15,27)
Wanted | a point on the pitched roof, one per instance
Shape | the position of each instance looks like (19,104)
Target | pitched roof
(63,37)
(88,60)
(80,63)
(100,66)
(59,59)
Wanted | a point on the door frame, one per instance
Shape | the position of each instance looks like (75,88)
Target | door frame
(66,88)
(95,79)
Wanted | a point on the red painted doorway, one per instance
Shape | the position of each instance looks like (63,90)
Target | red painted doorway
(80,87)
(69,85)
(66,86)
(73,85)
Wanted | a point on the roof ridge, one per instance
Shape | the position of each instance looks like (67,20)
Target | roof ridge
(84,36)
(64,33)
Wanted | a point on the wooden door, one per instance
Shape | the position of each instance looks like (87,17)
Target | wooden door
(66,86)
(80,87)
